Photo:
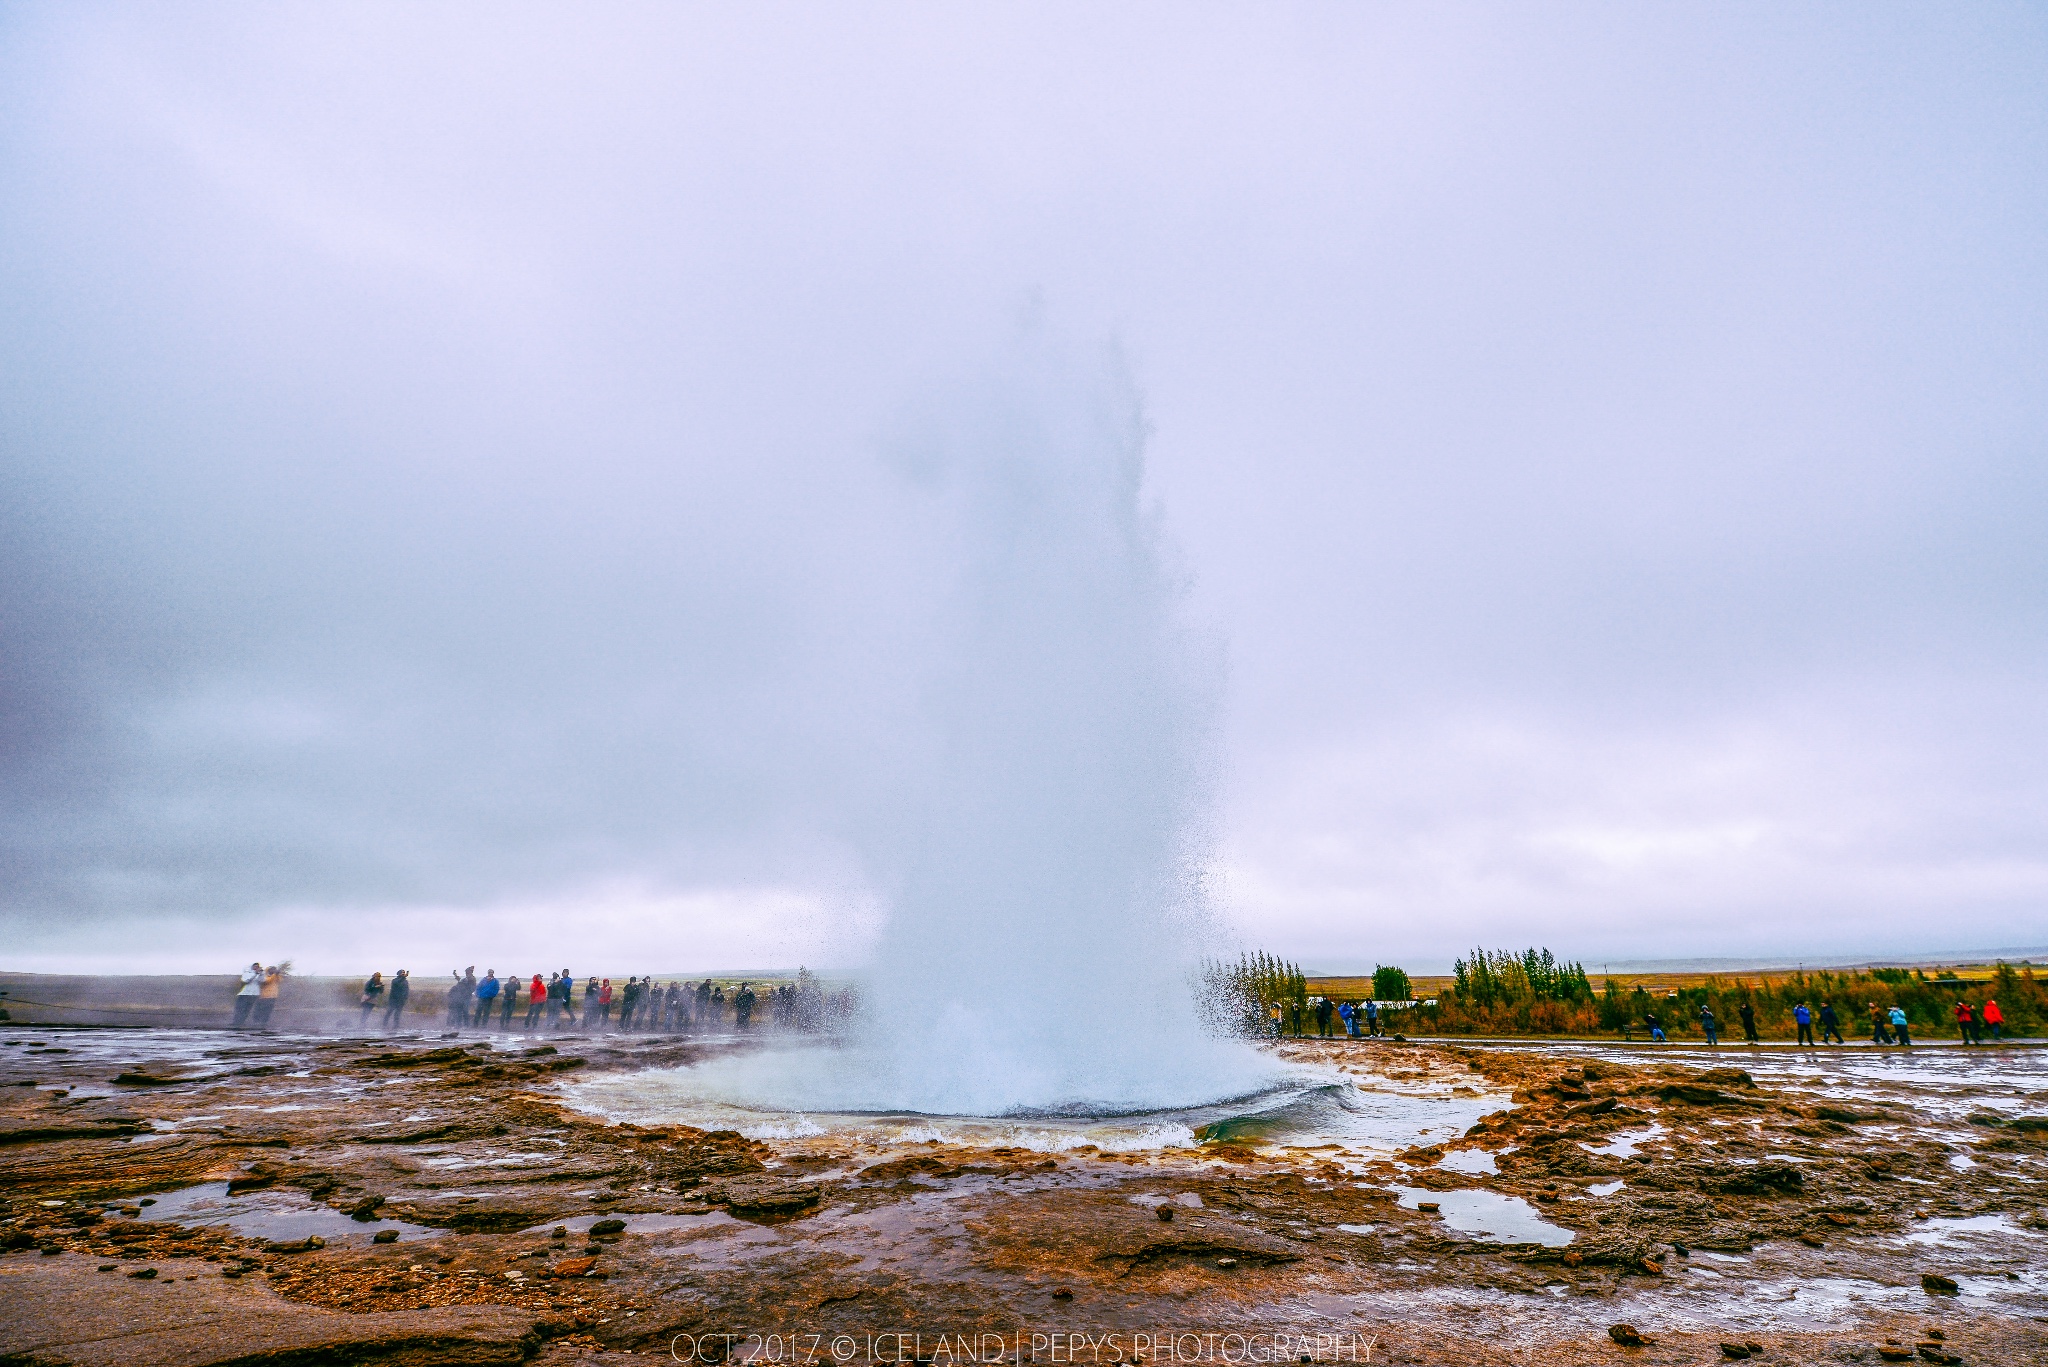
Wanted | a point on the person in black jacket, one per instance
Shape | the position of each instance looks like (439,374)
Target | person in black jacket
(373,997)
(1748,1014)
(394,1000)
(1830,1024)
(564,1000)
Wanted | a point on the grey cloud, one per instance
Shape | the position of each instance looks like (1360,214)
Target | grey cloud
(446,455)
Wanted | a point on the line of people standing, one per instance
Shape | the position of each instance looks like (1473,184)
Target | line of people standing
(562,1003)
(1357,1019)
(1888,1025)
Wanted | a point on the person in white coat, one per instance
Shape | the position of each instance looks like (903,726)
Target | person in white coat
(252,988)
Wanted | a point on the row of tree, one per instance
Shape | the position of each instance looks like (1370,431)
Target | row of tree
(1499,976)
(1504,993)
(1238,998)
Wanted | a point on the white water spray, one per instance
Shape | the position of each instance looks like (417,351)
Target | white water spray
(1045,906)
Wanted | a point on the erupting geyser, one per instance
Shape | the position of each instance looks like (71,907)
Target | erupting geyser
(1044,878)
(1042,935)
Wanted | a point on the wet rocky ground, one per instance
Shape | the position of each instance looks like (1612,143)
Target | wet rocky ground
(196,1197)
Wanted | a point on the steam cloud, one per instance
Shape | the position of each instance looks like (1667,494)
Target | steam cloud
(1043,871)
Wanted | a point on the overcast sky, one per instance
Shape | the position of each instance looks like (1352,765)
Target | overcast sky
(457,478)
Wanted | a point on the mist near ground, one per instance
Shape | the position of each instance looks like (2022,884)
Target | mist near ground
(459,484)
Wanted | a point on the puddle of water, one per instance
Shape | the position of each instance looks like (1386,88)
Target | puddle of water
(1961,1161)
(1817,1300)
(1625,1144)
(1469,1160)
(1491,1216)
(1186,1198)
(1945,1229)
(1358,1229)
(1605,1188)
(637,1224)
(272,1214)
(1897,1084)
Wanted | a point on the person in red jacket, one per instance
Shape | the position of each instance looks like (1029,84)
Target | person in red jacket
(604,1005)
(536,998)
(1994,1018)
(1966,1021)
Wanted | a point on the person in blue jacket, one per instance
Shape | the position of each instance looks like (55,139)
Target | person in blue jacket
(486,998)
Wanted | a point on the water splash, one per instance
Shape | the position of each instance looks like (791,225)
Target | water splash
(1043,873)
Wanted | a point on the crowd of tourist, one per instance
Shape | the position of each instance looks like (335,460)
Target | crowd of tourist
(1888,1025)
(1324,1017)
(1358,1020)
(593,1003)
(562,1001)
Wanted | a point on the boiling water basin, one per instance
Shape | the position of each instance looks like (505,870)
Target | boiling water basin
(1299,1106)
(1508,1219)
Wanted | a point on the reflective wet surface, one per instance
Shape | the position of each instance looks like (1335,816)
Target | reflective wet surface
(278,1215)
(1806,1201)
(1487,1215)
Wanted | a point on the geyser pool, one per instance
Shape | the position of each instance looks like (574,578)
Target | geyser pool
(771,1092)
